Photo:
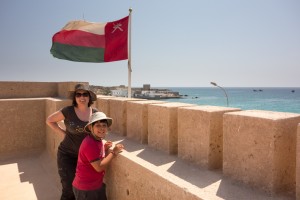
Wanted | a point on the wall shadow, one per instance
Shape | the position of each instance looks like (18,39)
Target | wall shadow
(32,170)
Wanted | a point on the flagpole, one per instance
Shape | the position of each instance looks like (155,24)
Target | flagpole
(129,54)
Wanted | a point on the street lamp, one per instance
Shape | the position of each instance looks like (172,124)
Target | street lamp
(213,83)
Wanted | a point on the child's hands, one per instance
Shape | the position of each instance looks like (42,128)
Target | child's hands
(107,145)
(118,148)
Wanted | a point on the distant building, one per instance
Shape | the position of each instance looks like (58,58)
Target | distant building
(147,93)
(146,87)
(119,92)
(144,93)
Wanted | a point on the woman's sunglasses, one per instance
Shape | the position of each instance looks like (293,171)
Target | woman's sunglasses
(85,94)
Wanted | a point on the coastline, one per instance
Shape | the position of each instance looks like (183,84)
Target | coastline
(280,99)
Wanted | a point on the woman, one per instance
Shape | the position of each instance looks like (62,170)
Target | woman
(75,119)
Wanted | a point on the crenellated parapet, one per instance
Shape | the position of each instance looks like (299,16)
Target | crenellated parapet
(172,150)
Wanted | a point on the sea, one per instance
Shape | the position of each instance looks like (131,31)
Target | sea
(285,99)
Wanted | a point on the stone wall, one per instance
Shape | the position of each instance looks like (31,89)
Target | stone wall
(200,135)
(257,148)
(260,149)
(22,125)
(24,89)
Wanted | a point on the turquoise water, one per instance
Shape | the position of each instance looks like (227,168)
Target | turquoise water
(273,99)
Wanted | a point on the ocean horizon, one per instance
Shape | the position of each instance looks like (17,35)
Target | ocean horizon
(280,99)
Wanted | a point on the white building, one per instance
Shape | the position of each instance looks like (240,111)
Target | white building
(119,93)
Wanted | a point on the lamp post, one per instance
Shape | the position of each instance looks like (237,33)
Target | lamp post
(213,83)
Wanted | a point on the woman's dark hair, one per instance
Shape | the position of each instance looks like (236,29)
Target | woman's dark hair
(101,121)
(74,103)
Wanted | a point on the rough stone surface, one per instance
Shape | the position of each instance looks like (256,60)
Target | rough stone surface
(260,149)
(24,89)
(137,120)
(118,112)
(22,124)
(29,176)
(163,126)
(140,172)
(258,145)
(200,135)
(103,104)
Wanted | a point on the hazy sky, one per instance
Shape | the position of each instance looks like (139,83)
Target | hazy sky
(235,43)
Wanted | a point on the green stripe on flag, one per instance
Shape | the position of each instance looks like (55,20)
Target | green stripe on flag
(77,53)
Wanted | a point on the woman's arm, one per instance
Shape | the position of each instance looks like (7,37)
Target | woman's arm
(52,122)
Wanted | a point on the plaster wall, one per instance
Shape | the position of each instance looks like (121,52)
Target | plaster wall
(200,135)
(137,120)
(259,149)
(163,131)
(54,139)
(118,111)
(11,89)
(131,178)
(22,125)
(103,104)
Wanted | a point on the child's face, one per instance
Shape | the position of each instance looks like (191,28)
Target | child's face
(100,129)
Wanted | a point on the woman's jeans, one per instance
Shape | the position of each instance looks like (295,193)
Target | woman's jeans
(66,168)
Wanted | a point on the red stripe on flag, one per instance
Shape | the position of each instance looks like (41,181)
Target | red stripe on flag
(79,38)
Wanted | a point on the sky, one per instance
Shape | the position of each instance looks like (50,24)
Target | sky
(235,43)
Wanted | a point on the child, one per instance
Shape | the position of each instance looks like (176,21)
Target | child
(93,158)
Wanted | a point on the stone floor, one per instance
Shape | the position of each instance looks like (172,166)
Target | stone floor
(33,176)
(28,177)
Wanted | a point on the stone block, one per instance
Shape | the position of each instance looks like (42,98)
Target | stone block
(118,112)
(103,104)
(163,126)
(200,135)
(22,125)
(259,149)
(23,89)
(137,120)
(53,139)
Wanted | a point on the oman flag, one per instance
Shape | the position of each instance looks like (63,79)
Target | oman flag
(84,41)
